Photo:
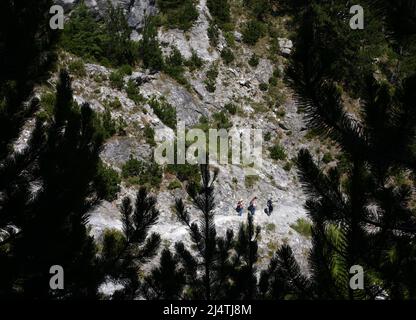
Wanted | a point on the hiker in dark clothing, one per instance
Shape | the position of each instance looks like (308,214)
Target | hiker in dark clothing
(240,207)
(252,206)
(269,208)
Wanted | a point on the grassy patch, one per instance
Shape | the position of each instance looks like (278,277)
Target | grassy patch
(251,181)
(77,68)
(175,184)
(303,227)
(277,152)
(270,227)
(327,158)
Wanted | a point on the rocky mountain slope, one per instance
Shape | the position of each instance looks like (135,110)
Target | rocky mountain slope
(239,83)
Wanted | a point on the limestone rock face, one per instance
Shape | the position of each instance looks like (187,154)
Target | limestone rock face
(136,10)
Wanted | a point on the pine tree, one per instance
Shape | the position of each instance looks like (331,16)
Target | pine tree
(167,281)
(360,212)
(53,229)
(26,50)
(220,11)
(150,51)
(124,254)
(120,49)
(243,270)
(207,272)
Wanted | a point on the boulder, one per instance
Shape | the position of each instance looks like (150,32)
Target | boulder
(285,45)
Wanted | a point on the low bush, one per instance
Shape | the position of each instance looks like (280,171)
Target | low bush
(277,152)
(194,62)
(227,55)
(178,14)
(211,78)
(142,173)
(116,80)
(165,111)
(133,92)
(231,108)
(264,86)
(174,66)
(221,120)
(107,182)
(77,68)
(175,184)
(254,60)
(252,31)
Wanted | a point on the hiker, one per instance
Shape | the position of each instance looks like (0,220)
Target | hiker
(240,207)
(269,208)
(252,206)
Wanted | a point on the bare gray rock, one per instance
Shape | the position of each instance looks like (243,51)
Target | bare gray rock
(136,10)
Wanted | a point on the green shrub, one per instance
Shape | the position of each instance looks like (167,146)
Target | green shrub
(264,86)
(220,11)
(288,166)
(174,66)
(106,41)
(184,172)
(107,124)
(250,181)
(107,182)
(303,227)
(277,152)
(115,104)
(213,34)
(117,80)
(126,70)
(268,136)
(165,112)
(252,32)
(212,74)
(270,227)
(178,14)
(142,173)
(221,120)
(132,167)
(231,108)
(254,60)
(47,102)
(327,158)
(77,68)
(194,62)
(227,55)
(114,242)
(133,92)
(230,39)
(273,81)
(277,73)
(149,134)
(175,184)
(149,47)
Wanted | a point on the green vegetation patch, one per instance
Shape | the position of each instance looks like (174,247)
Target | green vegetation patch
(303,227)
